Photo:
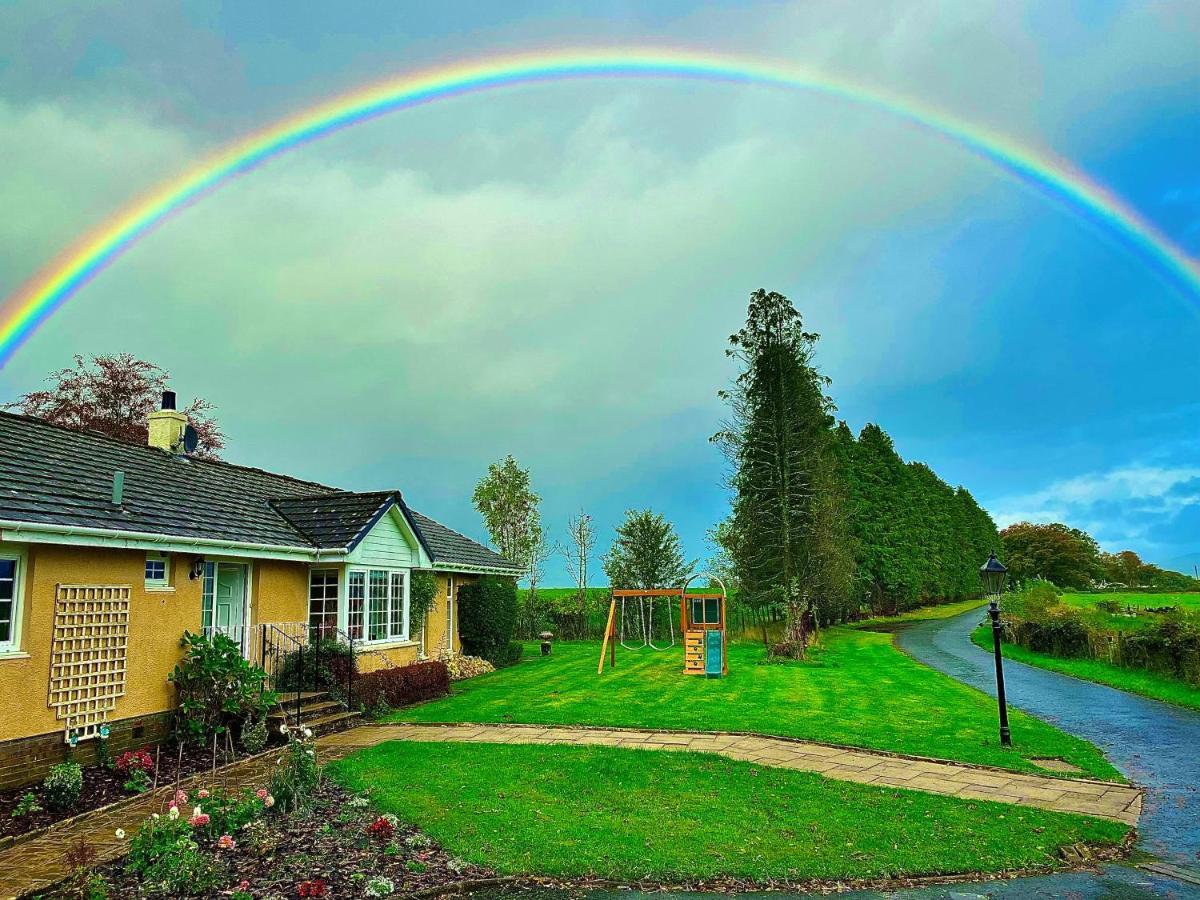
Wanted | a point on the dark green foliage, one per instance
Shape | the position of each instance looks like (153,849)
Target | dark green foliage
(402,685)
(646,553)
(326,665)
(487,617)
(1066,556)
(422,592)
(63,785)
(217,687)
(788,538)
(169,861)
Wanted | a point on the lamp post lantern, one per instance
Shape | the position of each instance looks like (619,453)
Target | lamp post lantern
(993,574)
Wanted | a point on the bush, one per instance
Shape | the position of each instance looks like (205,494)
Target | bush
(168,859)
(402,685)
(487,617)
(462,667)
(63,786)
(421,594)
(217,687)
(326,666)
(254,735)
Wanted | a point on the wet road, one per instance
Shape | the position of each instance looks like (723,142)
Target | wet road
(1154,744)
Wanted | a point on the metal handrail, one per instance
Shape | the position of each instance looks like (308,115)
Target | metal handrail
(271,640)
(319,633)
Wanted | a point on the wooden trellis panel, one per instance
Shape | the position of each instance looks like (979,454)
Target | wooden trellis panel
(87,661)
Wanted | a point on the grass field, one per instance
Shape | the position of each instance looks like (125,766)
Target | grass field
(630,814)
(922,614)
(1135,681)
(1187,603)
(857,690)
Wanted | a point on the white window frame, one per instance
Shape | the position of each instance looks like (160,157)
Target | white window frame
(12,646)
(158,584)
(389,572)
(337,598)
(450,614)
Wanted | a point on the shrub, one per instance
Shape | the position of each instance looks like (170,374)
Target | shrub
(487,617)
(402,685)
(63,786)
(421,594)
(460,666)
(296,774)
(169,861)
(217,687)
(26,806)
(254,735)
(326,665)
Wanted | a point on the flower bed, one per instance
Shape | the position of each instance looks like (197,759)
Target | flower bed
(336,845)
(103,785)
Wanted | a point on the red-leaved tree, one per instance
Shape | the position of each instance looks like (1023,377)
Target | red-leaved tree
(114,395)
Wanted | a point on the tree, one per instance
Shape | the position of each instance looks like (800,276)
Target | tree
(509,508)
(792,548)
(646,553)
(115,395)
(539,553)
(1066,556)
(577,552)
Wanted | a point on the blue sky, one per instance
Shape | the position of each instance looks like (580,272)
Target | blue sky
(552,271)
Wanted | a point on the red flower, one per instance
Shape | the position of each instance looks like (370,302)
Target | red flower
(381,830)
(314,888)
(131,760)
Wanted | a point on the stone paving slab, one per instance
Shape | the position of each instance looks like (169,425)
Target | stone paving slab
(38,863)
(1100,799)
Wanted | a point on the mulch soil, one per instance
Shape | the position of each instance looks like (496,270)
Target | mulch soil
(101,787)
(324,851)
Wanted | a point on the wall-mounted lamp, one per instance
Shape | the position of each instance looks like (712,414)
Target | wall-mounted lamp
(197,568)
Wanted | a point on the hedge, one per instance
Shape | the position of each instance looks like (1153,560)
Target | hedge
(402,685)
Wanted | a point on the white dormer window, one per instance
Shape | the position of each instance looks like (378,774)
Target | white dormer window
(158,572)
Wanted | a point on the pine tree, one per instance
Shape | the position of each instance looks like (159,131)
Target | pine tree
(793,548)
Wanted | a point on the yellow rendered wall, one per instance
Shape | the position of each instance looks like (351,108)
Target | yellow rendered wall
(157,620)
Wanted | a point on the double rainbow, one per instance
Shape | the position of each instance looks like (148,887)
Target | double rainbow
(39,298)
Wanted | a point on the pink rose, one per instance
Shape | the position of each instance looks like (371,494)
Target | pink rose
(261,793)
(181,798)
(225,842)
(199,821)
(203,794)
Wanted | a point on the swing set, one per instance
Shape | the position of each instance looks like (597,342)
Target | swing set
(701,625)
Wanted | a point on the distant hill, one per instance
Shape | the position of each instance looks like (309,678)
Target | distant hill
(1186,564)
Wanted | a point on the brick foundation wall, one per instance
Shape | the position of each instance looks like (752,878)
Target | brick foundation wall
(27,760)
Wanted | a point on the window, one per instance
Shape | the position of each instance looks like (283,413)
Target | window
(157,571)
(378,604)
(355,594)
(322,598)
(10,603)
(208,591)
(706,611)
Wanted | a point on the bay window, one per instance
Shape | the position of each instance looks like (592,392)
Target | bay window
(323,598)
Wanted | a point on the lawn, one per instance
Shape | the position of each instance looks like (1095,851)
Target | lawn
(922,614)
(1122,621)
(1135,681)
(858,690)
(634,814)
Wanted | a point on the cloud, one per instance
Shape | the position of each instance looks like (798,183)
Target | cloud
(1131,507)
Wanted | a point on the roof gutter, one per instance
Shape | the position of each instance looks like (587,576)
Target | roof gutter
(63,534)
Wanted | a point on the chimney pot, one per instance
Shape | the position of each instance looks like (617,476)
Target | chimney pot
(168,400)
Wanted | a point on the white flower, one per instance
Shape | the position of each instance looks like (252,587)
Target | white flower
(283,729)
(156,816)
(307,732)
(120,834)
(174,812)
(196,811)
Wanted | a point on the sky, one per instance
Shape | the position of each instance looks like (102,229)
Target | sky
(553,270)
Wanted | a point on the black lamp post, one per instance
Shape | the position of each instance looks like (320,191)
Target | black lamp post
(993,573)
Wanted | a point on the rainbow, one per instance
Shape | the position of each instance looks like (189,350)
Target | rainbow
(41,296)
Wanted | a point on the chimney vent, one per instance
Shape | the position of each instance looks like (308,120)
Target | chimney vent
(168,400)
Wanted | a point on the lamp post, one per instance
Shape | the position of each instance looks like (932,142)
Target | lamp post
(993,573)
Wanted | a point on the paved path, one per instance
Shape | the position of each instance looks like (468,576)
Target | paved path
(1154,744)
(1094,798)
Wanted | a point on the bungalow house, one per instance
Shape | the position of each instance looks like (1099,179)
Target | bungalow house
(110,551)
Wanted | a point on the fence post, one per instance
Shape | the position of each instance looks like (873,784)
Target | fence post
(299,682)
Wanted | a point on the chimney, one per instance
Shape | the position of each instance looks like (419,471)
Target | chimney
(166,425)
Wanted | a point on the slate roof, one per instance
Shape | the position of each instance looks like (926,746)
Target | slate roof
(56,476)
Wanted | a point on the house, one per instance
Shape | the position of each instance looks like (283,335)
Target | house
(110,551)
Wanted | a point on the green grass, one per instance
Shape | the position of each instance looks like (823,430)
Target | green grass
(1188,601)
(1135,681)
(922,614)
(634,814)
(858,690)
